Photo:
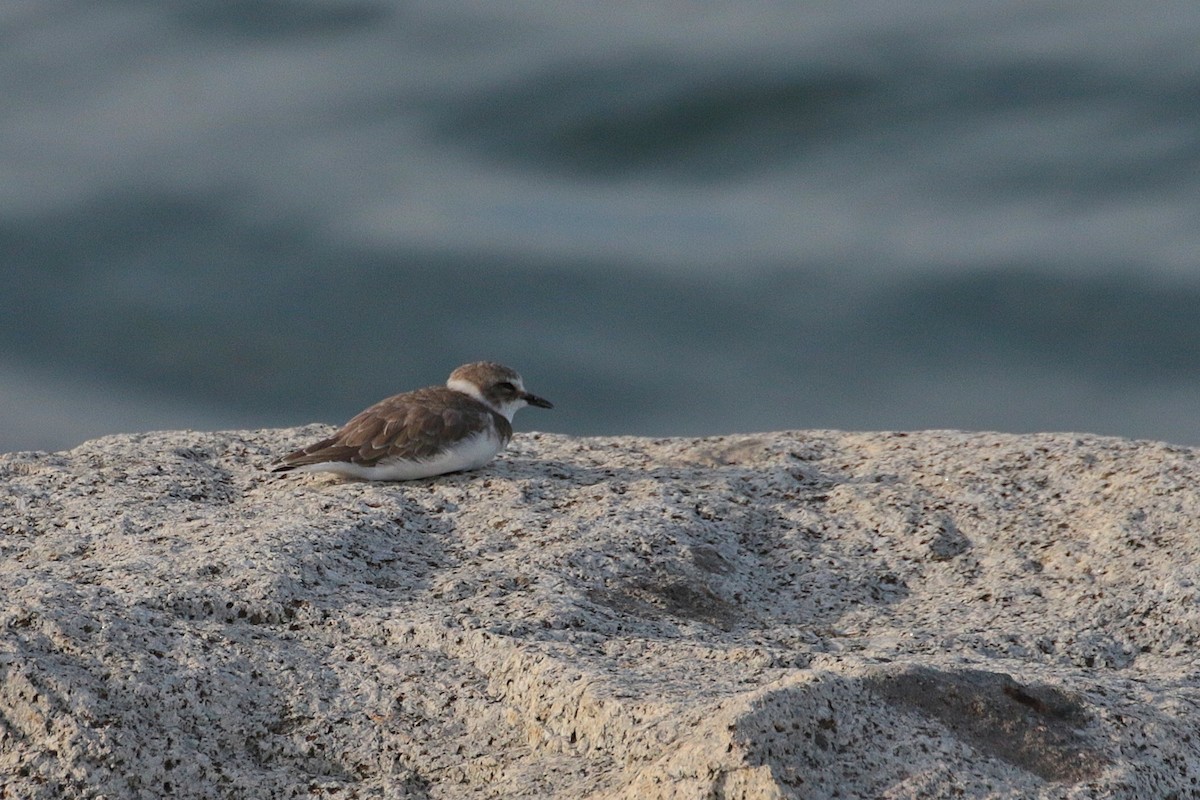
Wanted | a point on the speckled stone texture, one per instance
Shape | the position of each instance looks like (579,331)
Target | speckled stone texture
(806,614)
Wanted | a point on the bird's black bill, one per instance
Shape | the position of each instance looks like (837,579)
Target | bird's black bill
(534,400)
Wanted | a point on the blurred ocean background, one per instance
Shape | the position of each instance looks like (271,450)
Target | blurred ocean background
(673,218)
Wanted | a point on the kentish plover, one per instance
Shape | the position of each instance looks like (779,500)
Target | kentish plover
(431,431)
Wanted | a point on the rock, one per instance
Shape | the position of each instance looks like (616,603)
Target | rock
(791,615)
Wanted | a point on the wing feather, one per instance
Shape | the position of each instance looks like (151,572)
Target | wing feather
(407,426)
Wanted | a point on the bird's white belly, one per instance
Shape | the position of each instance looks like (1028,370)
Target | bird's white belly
(467,454)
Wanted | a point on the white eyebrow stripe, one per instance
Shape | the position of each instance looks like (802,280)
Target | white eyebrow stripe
(467,388)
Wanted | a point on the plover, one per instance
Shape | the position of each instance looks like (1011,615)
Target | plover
(431,431)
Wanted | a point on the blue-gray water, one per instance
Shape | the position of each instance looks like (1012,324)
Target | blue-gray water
(673,218)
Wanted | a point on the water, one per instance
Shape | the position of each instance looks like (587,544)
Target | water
(674,220)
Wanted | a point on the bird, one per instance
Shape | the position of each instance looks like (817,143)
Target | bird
(432,431)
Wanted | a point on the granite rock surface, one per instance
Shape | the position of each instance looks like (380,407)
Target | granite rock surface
(805,614)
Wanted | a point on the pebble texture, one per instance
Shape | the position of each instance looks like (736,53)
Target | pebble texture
(789,615)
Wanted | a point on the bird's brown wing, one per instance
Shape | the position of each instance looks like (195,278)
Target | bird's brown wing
(408,426)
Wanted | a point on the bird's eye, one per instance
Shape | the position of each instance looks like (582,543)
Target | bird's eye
(506,386)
